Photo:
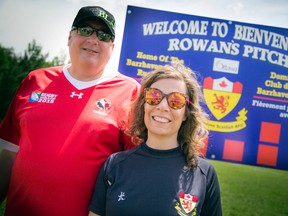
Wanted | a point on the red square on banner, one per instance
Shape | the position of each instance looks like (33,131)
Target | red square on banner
(270,132)
(233,150)
(267,155)
(203,150)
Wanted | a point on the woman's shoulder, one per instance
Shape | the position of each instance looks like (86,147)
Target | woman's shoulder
(205,166)
(118,157)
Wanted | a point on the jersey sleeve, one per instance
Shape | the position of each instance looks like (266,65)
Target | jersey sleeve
(212,202)
(9,127)
(98,202)
(125,138)
(10,130)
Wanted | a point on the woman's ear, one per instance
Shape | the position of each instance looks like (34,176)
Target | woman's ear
(184,118)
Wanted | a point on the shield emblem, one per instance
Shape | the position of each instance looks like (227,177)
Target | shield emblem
(221,95)
(187,201)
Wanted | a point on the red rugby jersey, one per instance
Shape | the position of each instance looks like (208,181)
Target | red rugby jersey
(64,136)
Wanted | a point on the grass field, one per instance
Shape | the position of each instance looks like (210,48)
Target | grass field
(252,191)
(249,190)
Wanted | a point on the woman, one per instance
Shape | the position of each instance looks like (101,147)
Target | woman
(164,175)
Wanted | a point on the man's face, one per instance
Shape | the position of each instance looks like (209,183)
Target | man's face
(89,50)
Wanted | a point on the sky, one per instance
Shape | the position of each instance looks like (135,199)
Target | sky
(49,21)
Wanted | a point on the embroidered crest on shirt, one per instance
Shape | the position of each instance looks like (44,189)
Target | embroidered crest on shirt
(103,105)
(187,204)
(41,97)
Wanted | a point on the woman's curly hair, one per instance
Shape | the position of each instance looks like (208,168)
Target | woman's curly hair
(193,131)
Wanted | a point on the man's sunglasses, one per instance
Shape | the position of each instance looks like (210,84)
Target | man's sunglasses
(175,100)
(88,31)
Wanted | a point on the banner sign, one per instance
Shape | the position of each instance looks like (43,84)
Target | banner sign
(242,67)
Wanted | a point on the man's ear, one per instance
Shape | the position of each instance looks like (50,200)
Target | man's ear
(69,38)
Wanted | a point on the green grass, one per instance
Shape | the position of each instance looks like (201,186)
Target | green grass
(249,190)
(2,208)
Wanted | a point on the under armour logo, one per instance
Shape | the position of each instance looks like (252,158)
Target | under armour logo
(78,95)
(121,196)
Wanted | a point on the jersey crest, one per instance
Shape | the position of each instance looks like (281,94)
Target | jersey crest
(103,105)
(187,204)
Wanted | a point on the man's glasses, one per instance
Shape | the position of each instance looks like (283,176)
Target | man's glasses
(175,100)
(88,31)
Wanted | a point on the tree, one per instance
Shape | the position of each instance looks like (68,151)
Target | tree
(14,68)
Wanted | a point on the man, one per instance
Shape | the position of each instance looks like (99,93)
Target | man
(64,122)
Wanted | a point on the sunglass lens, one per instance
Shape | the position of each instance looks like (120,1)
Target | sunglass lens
(176,100)
(102,36)
(86,31)
(153,96)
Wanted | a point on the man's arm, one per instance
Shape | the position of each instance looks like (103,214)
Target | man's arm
(92,214)
(6,163)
